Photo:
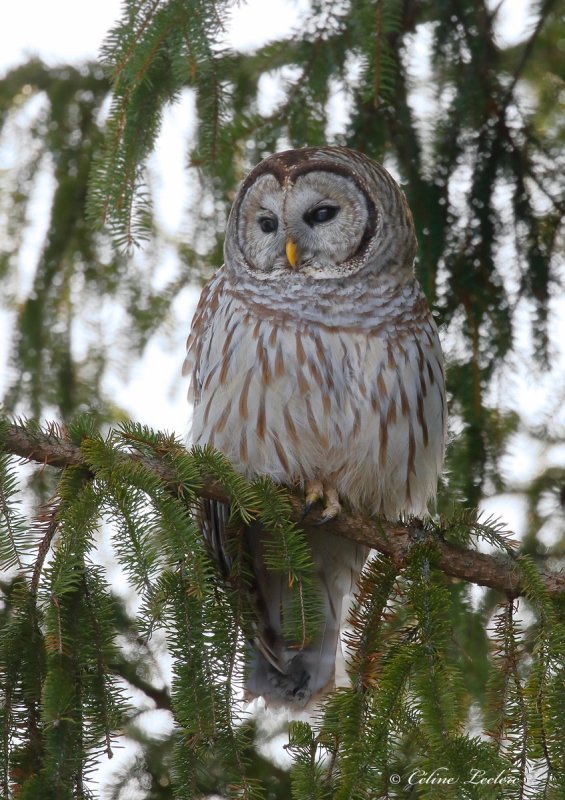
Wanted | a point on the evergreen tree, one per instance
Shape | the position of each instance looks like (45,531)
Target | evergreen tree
(437,681)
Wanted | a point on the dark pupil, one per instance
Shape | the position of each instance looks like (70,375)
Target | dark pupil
(268,224)
(322,214)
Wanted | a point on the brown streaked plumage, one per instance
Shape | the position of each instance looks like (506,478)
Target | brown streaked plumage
(325,372)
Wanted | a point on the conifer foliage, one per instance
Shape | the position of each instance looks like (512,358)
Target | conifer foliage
(449,696)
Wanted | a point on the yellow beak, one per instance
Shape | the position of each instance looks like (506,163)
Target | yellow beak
(291,253)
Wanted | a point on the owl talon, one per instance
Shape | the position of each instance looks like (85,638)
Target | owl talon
(327,515)
(332,508)
(330,512)
(314,493)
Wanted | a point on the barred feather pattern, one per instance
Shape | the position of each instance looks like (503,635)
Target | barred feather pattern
(296,401)
(304,376)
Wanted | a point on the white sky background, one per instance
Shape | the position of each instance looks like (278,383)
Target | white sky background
(71,31)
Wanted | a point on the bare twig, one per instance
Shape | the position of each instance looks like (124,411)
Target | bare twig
(526,53)
(500,572)
(47,520)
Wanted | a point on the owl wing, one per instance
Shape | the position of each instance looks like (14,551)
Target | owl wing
(213,516)
(197,345)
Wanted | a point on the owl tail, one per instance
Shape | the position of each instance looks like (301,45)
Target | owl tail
(279,672)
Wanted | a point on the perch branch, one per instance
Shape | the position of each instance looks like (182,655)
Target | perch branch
(500,572)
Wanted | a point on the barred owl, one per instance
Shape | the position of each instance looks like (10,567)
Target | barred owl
(314,359)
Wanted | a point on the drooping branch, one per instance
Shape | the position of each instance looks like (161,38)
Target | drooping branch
(500,572)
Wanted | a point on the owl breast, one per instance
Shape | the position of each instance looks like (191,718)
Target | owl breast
(361,406)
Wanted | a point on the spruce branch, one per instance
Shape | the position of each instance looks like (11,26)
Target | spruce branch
(395,540)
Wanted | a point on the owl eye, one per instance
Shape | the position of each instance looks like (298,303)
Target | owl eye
(268,224)
(320,214)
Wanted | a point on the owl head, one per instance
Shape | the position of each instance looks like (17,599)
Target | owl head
(320,214)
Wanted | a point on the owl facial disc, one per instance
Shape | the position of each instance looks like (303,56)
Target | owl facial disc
(312,225)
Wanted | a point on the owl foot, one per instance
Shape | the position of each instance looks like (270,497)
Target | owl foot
(314,492)
(332,507)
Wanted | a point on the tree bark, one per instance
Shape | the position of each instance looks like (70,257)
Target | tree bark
(395,540)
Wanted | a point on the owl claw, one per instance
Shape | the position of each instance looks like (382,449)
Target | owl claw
(332,507)
(327,515)
(314,493)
